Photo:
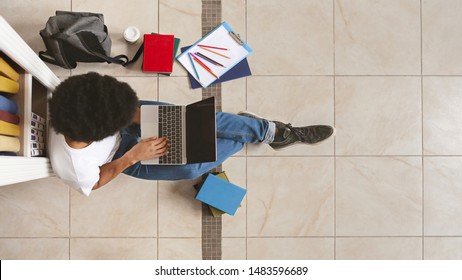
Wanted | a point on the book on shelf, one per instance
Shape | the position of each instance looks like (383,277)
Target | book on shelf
(8,117)
(8,105)
(8,85)
(37,145)
(9,144)
(37,125)
(7,71)
(10,129)
(37,152)
(221,194)
(37,132)
(37,138)
(10,154)
(38,128)
(38,118)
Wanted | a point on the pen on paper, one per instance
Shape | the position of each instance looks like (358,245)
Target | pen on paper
(212,47)
(212,51)
(209,59)
(194,67)
(203,65)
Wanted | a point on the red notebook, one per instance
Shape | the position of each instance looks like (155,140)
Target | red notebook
(158,53)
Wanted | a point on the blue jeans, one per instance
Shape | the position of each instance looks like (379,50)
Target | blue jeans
(233,131)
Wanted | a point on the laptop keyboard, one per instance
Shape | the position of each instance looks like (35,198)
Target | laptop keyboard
(170,126)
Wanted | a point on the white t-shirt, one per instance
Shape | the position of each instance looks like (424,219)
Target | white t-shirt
(79,168)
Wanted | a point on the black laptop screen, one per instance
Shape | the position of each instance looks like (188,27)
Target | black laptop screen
(201,139)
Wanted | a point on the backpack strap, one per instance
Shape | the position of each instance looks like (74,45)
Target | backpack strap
(137,54)
(45,56)
(91,43)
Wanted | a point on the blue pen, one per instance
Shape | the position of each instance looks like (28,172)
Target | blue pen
(194,67)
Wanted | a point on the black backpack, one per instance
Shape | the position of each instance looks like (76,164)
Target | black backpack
(72,37)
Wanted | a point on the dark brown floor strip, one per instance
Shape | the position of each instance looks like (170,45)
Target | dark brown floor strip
(211,226)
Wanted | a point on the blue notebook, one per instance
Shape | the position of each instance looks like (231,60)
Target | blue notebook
(221,194)
(242,69)
(8,105)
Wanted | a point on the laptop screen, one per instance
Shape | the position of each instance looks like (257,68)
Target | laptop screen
(201,139)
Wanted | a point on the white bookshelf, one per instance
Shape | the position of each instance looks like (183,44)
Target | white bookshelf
(36,83)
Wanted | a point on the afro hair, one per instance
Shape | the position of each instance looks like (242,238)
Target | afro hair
(91,107)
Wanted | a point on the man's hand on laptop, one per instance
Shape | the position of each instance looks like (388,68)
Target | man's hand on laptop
(145,149)
(149,148)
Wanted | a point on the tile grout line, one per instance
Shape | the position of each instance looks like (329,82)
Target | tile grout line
(422,130)
(335,152)
(246,154)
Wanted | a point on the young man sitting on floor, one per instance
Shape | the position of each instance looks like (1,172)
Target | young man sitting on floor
(95,135)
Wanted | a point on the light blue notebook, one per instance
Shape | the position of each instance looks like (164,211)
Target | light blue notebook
(221,194)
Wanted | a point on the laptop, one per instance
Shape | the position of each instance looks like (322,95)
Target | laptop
(191,130)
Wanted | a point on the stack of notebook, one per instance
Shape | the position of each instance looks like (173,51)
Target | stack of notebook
(221,195)
(9,119)
(159,53)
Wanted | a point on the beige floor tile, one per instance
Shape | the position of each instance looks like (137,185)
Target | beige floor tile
(233,95)
(290,38)
(235,226)
(179,212)
(379,248)
(234,249)
(379,196)
(180,249)
(378,116)
(183,19)
(301,101)
(37,208)
(176,90)
(234,13)
(442,196)
(294,198)
(443,248)
(34,248)
(442,101)
(118,15)
(113,248)
(15,12)
(377,37)
(126,207)
(145,87)
(441,37)
(290,248)
(377,207)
